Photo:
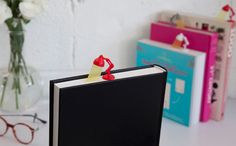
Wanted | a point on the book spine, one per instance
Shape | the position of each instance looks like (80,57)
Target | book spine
(228,66)
(208,80)
(51,87)
(199,71)
(218,106)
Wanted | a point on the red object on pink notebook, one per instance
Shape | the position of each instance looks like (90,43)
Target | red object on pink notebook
(199,40)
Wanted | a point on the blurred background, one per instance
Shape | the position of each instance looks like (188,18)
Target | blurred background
(66,38)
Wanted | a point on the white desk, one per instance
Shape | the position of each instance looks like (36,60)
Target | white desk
(213,133)
(204,134)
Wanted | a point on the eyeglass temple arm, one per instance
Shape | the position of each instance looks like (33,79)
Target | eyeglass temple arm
(35,116)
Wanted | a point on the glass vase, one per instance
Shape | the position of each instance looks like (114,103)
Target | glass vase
(21,86)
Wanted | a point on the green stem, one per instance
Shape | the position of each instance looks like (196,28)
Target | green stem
(17,65)
(17,100)
(5,80)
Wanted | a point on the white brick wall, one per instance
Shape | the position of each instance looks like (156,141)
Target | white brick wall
(71,33)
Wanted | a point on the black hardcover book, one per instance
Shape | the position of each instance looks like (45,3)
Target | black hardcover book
(123,112)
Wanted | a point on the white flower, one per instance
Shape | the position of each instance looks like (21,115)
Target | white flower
(5,12)
(31,8)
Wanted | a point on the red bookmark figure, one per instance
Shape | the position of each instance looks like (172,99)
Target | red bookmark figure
(98,65)
(229,8)
(225,11)
(108,76)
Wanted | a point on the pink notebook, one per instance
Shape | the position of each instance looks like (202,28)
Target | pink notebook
(201,41)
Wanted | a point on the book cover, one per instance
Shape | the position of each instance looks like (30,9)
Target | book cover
(126,111)
(226,32)
(184,82)
(200,41)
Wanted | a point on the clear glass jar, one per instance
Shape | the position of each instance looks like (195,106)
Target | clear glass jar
(31,90)
(20,85)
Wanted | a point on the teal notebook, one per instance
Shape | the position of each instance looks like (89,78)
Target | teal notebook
(184,81)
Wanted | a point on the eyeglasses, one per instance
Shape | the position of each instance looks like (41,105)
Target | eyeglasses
(23,133)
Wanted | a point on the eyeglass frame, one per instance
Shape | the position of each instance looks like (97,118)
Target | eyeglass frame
(12,126)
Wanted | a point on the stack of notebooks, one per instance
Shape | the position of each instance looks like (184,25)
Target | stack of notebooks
(197,80)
